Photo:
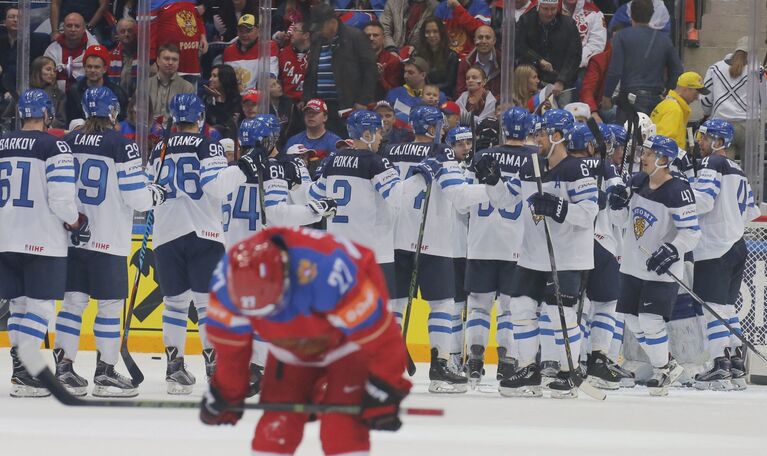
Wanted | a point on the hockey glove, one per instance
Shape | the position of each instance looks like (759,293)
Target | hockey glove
(254,162)
(619,197)
(293,174)
(380,405)
(82,233)
(487,170)
(662,259)
(215,410)
(325,207)
(428,168)
(159,194)
(549,205)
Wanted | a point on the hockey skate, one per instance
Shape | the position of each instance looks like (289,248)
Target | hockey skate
(108,383)
(627,378)
(475,366)
(737,369)
(563,387)
(455,363)
(525,382)
(599,372)
(209,355)
(549,371)
(442,379)
(718,378)
(178,380)
(22,383)
(663,377)
(66,375)
(256,375)
(506,365)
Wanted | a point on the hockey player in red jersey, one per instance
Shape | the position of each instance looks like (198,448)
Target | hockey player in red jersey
(320,302)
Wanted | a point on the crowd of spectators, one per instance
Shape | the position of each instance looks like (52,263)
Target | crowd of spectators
(385,55)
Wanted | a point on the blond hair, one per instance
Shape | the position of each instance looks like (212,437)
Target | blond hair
(522,75)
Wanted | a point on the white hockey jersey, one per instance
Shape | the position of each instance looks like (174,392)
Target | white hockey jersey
(605,231)
(573,240)
(111,184)
(450,192)
(654,217)
(37,194)
(367,190)
(725,203)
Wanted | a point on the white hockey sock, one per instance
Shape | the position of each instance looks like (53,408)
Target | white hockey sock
(617,341)
(735,323)
(573,334)
(548,347)
(201,304)
(259,351)
(717,335)
(524,319)
(107,329)
(441,325)
(17,308)
(456,337)
(478,319)
(68,323)
(34,324)
(174,318)
(397,307)
(505,328)
(655,338)
(602,326)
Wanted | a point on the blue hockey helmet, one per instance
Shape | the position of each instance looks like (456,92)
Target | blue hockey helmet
(515,123)
(662,146)
(186,107)
(259,130)
(34,104)
(579,137)
(458,134)
(100,102)
(558,120)
(607,135)
(422,117)
(363,121)
(534,124)
(620,134)
(719,129)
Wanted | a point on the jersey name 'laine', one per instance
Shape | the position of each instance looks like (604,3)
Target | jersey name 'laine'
(654,217)
(605,231)
(450,192)
(111,184)
(496,234)
(725,204)
(37,193)
(366,189)
(573,240)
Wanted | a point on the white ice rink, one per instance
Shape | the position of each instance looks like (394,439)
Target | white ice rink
(628,423)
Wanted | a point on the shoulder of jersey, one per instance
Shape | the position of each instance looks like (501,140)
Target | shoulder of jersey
(721,164)
(571,169)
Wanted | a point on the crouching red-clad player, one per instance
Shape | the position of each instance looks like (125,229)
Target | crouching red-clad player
(320,303)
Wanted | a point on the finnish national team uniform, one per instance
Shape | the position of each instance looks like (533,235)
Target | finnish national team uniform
(328,327)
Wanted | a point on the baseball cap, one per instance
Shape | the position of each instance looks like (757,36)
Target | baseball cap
(299,149)
(251,95)
(742,44)
(418,62)
(450,107)
(692,80)
(97,51)
(320,14)
(247,20)
(381,104)
(317,105)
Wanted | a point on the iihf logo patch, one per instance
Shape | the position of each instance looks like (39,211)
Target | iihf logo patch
(643,219)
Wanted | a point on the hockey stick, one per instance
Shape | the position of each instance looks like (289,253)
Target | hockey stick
(703,303)
(135,372)
(586,387)
(36,366)
(693,150)
(261,197)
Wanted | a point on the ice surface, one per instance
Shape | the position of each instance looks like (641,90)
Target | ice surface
(628,423)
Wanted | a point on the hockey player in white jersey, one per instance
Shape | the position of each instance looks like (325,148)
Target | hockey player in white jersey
(37,208)
(570,200)
(494,241)
(659,214)
(725,203)
(188,233)
(436,272)
(111,184)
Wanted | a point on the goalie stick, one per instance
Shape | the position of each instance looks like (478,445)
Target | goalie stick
(34,363)
(703,303)
(135,372)
(586,387)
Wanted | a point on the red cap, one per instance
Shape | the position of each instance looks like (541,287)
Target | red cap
(251,95)
(317,105)
(98,51)
(450,107)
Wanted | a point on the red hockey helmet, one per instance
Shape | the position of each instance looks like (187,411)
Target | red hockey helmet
(258,276)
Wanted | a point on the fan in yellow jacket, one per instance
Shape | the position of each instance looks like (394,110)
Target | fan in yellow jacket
(671,114)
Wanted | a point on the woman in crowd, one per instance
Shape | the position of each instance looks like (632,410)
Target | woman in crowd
(526,84)
(42,75)
(476,99)
(443,62)
(223,102)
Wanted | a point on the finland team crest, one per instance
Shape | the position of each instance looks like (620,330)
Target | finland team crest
(643,219)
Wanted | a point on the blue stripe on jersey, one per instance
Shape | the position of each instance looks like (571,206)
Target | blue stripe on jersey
(686,219)
(131,187)
(588,190)
(124,175)
(450,182)
(271,203)
(67,179)
(707,191)
(207,180)
(314,194)
(52,168)
(277,192)
(716,182)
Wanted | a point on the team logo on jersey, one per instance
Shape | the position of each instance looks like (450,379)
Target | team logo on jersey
(307,271)
(643,219)
(187,23)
